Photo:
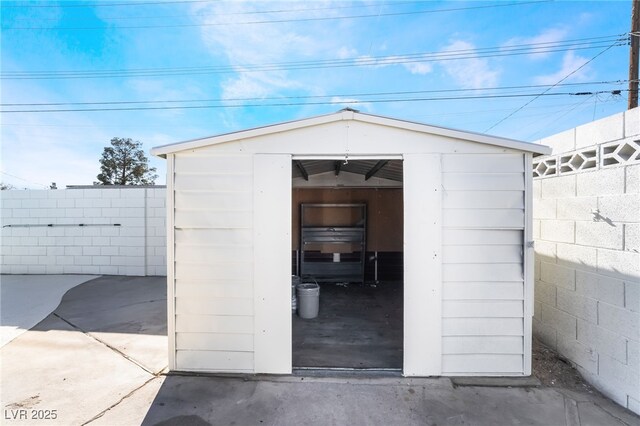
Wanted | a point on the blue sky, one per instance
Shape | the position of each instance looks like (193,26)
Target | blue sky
(382,57)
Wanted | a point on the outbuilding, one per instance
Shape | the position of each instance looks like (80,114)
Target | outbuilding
(420,238)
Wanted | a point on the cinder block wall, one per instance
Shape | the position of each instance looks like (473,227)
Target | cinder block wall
(136,247)
(586,211)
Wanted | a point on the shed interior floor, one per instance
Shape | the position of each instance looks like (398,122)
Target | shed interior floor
(358,326)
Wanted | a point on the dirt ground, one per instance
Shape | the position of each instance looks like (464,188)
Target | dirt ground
(554,370)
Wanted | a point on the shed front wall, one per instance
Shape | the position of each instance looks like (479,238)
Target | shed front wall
(352,138)
(484,327)
(214,259)
(481,326)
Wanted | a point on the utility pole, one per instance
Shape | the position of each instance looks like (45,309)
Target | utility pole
(633,54)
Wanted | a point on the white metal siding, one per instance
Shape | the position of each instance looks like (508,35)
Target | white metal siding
(356,138)
(465,311)
(483,290)
(213,278)
(422,265)
(272,263)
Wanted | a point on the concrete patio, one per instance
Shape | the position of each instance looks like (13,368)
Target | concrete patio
(20,310)
(100,358)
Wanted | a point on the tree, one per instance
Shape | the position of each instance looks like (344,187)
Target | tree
(124,163)
(6,186)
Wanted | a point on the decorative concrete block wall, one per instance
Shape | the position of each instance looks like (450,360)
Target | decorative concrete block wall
(103,230)
(586,211)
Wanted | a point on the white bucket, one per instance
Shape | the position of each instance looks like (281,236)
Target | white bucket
(308,300)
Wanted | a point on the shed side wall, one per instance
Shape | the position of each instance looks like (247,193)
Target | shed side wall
(483,294)
(213,231)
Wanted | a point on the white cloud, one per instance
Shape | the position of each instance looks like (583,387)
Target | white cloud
(63,147)
(351,102)
(65,150)
(346,52)
(253,44)
(418,67)
(551,35)
(52,153)
(473,73)
(152,89)
(585,18)
(388,60)
(244,45)
(158,90)
(364,60)
(256,85)
(412,67)
(570,63)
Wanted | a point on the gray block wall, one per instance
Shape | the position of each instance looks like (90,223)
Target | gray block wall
(586,212)
(136,247)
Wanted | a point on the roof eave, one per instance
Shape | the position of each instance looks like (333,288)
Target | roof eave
(162,151)
(457,134)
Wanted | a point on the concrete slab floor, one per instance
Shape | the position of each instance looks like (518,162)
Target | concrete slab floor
(61,366)
(20,309)
(129,314)
(358,326)
(54,368)
(105,340)
(191,400)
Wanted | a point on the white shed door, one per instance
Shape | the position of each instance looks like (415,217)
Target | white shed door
(272,263)
(422,265)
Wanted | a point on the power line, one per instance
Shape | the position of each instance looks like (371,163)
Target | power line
(549,110)
(558,117)
(290,104)
(365,62)
(335,95)
(545,92)
(447,55)
(105,4)
(467,112)
(249,12)
(278,21)
(162,125)
(22,179)
(623,37)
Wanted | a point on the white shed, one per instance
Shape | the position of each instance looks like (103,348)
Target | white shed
(462,231)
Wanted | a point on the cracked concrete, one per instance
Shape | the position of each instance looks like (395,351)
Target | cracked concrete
(100,359)
(64,370)
(105,340)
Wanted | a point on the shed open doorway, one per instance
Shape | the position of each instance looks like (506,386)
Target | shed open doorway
(347,236)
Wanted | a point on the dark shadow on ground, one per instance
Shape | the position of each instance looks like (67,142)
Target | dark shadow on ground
(255,400)
(115,304)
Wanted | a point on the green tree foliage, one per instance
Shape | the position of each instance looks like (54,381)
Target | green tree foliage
(124,163)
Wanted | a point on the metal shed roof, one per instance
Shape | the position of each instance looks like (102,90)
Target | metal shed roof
(350,114)
(385,169)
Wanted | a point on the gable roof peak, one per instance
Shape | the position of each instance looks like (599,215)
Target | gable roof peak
(349,114)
